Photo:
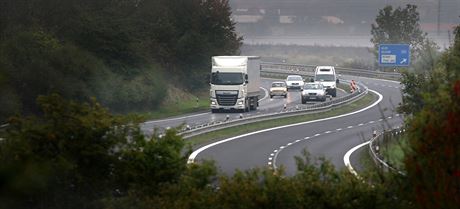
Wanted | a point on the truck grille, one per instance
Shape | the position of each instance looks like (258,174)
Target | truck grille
(227,100)
(312,94)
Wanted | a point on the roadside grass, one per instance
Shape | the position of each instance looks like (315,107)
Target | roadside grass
(394,150)
(238,130)
(193,104)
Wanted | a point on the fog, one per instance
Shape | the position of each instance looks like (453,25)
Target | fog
(333,22)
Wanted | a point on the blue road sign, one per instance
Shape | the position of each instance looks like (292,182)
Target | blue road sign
(394,55)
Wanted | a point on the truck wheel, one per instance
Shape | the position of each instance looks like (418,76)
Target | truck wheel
(334,93)
(214,110)
(304,101)
(271,96)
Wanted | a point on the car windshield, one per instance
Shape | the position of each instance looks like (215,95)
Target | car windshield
(324,77)
(227,78)
(294,78)
(278,85)
(313,86)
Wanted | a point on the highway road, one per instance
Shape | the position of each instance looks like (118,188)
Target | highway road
(329,138)
(266,105)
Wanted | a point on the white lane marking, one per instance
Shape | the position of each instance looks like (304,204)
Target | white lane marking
(169,119)
(275,150)
(339,129)
(270,158)
(269,163)
(371,121)
(289,144)
(327,132)
(380,119)
(282,147)
(195,153)
(350,127)
(317,134)
(272,154)
(266,93)
(397,115)
(346,158)
(361,124)
(306,137)
(298,140)
(389,117)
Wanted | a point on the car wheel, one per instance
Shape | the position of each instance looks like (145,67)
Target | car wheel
(271,96)
(285,96)
(214,110)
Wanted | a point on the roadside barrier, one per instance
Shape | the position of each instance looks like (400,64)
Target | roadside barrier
(375,149)
(296,110)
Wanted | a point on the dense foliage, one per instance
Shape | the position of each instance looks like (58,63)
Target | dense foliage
(123,52)
(433,163)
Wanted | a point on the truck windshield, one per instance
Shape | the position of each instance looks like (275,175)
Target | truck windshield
(227,78)
(324,77)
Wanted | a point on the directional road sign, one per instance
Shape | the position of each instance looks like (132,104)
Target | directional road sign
(394,55)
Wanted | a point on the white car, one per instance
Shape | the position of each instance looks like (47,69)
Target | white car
(326,75)
(294,82)
(313,91)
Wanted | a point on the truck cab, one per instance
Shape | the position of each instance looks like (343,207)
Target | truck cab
(234,83)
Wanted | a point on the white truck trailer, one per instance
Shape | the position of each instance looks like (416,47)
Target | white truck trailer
(235,83)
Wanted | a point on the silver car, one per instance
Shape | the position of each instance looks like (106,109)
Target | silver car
(313,91)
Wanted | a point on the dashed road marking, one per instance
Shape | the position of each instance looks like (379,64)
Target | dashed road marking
(327,132)
(306,138)
(317,134)
(361,124)
(371,121)
(339,129)
(350,127)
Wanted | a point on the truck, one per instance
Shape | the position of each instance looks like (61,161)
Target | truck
(235,83)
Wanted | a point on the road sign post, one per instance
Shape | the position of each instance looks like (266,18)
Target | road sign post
(394,55)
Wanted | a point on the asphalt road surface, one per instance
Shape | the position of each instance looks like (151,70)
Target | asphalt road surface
(330,138)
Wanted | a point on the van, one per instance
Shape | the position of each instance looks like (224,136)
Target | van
(326,75)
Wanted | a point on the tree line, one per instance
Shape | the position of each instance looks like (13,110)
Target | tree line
(125,53)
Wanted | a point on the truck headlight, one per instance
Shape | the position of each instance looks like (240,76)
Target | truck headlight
(240,103)
(213,103)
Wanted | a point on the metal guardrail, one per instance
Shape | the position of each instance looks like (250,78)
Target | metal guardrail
(188,131)
(309,70)
(270,68)
(374,150)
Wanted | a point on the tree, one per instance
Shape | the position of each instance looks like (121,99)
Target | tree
(432,162)
(396,26)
